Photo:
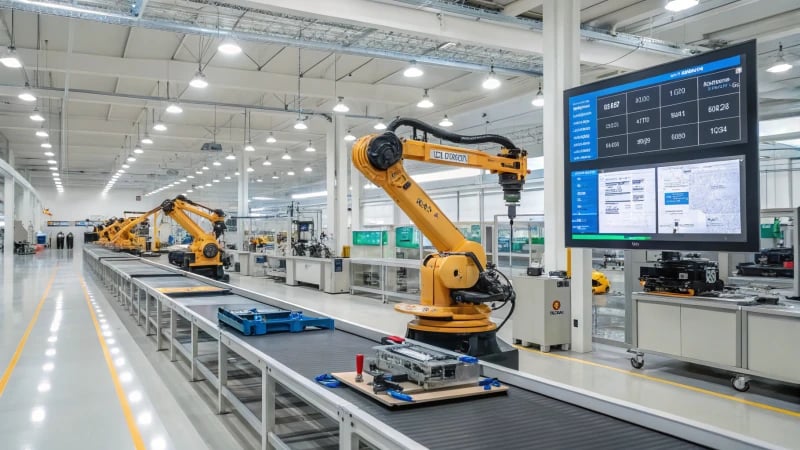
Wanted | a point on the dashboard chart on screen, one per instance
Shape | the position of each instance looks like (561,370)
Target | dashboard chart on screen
(666,157)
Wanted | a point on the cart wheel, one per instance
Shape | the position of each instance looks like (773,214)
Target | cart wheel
(637,363)
(741,384)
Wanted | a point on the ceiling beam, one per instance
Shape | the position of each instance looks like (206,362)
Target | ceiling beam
(521,36)
(247,80)
(519,7)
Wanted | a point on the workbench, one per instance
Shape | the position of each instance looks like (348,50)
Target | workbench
(390,278)
(274,393)
(331,275)
(731,333)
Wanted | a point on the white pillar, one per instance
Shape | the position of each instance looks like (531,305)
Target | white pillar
(26,209)
(343,167)
(242,196)
(562,71)
(330,184)
(357,181)
(8,213)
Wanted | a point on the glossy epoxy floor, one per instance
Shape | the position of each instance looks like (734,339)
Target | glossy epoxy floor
(74,377)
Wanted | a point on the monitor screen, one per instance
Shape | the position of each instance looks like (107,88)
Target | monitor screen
(666,157)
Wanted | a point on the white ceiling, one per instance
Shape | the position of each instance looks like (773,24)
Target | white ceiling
(114,78)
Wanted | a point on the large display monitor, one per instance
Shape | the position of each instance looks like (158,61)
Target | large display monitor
(666,157)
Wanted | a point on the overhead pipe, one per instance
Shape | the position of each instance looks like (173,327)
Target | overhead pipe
(77,12)
(233,106)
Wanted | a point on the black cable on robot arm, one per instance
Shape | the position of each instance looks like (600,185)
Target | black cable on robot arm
(450,136)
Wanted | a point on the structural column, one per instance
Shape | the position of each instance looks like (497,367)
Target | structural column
(243,195)
(338,183)
(561,34)
(8,213)
(356,185)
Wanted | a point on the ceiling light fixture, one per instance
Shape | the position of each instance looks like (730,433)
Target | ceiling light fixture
(199,172)
(54,168)
(286,156)
(780,64)
(199,80)
(249,147)
(10,58)
(174,108)
(250,169)
(445,122)
(49,154)
(349,137)
(42,133)
(147,140)
(290,173)
(307,169)
(229,47)
(126,166)
(271,139)
(538,99)
(131,159)
(341,107)
(266,162)
(380,126)
(205,168)
(413,71)
(36,117)
(310,148)
(680,5)
(227,177)
(491,82)
(275,175)
(47,145)
(425,102)
(138,149)
(300,124)
(191,177)
(259,180)
(52,161)
(231,157)
(159,126)
(27,95)
(217,163)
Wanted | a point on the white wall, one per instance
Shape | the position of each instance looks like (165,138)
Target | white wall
(81,204)
(780,184)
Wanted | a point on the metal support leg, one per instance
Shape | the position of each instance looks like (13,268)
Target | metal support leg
(195,335)
(147,315)
(158,324)
(267,407)
(347,440)
(139,308)
(222,376)
(173,325)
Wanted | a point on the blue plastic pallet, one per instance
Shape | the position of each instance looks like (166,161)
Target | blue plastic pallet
(252,322)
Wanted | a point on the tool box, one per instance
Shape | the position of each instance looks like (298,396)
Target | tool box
(252,322)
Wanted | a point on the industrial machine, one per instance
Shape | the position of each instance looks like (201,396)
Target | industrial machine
(128,239)
(457,284)
(425,366)
(770,262)
(543,312)
(205,255)
(673,274)
(600,283)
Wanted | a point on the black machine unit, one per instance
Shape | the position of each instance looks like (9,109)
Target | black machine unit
(770,262)
(675,275)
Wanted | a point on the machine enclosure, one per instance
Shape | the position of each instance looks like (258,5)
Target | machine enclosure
(542,313)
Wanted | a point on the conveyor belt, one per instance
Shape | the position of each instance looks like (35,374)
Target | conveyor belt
(521,419)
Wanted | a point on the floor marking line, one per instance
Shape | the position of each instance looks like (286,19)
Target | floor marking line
(21,346)
(136,434)
(668,382)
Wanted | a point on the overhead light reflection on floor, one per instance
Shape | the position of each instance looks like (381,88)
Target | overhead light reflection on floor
(48,367)
(37,414)
(125,377)
(44,386)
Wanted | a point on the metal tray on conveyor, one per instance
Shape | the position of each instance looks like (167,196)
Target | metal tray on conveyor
(136,268)
(174,280)
(519,420)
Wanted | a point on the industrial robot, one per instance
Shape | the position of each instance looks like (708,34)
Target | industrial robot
(459,289)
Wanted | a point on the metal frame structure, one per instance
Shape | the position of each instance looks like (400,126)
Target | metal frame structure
(354,425)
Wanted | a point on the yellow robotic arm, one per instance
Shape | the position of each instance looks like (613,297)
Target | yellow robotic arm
(457,283)
(205,255)
(125,239)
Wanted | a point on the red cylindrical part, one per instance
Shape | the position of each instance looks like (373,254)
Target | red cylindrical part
(359,363)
